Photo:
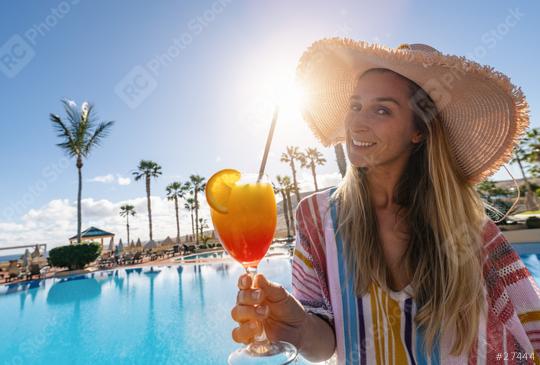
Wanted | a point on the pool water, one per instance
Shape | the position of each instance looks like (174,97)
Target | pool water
(171,315)
(160,315)
(206,255)
(274,250)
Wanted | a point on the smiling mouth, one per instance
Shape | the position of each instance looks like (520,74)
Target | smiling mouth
(363,143)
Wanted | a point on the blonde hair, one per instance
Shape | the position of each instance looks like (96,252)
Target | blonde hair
(445,216)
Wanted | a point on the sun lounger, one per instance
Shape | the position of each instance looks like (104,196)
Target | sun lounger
(15,273)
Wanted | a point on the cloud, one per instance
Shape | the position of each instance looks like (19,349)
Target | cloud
(306,183)
(56,221)
(110,178)
(103,179)
(123,180)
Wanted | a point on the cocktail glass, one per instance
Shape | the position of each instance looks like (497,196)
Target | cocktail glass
(244,214)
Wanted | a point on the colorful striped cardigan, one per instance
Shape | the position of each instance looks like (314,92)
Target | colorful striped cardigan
(378,327)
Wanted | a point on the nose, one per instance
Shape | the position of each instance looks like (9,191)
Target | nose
(357,122)
(357,127)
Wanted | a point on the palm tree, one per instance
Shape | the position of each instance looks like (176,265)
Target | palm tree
(147,169)
(197,185)
(525,153)
(488,190)
(533,151)
(280,189)
(292,154)
(127,210)
(310,159)
(203,224)
(285,182)
(190,205)
(175,191)
(533,141)
(340,159)
(80,133)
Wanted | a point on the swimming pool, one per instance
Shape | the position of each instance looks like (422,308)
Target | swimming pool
(223,255)
(206,255)
(164,315)
(171,315)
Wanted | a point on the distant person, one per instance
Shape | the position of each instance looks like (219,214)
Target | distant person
(399,263)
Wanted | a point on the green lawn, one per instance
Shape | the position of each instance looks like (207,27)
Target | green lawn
(531,212)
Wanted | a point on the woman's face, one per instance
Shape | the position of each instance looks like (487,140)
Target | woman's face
(379,114)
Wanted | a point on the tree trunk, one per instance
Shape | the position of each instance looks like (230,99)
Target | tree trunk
(295,188)
(196,216)
(177,221)
(149,206)
(530,197)
(286,212)
(79,197)
(192,224)
(127,226)
(201,230)
(291,213)
(340,159)
(314,176)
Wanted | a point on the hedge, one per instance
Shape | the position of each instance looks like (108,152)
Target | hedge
(74,257)
(533,222)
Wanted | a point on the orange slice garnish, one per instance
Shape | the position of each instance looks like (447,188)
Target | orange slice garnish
(218,189)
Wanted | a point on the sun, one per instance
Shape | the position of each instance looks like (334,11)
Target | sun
(264,84)
(282,90)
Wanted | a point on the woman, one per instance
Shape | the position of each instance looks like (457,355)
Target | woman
(400,264)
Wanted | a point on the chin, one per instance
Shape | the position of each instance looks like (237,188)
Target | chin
(357,161)
(359,164)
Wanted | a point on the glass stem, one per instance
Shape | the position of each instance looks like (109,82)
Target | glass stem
(260,344)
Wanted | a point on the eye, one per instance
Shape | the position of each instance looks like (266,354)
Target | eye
(355,107)
(382,110)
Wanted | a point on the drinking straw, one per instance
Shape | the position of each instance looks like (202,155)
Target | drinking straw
(268,142)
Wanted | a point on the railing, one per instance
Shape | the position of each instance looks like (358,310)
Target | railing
(40,245)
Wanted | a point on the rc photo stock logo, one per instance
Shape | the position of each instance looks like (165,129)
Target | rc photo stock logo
(15,54)
(141,81)
(136,86)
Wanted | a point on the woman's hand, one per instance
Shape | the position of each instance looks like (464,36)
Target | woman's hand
(268,303)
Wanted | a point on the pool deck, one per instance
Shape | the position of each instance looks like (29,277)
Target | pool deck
(170,261)
(525,241)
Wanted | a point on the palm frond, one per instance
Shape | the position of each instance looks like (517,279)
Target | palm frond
(68,145)
(137,175)
(73,115)
(100,132)
(147,168)
(127,209)
(79,136)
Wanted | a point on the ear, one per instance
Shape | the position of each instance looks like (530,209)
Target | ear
(417,137)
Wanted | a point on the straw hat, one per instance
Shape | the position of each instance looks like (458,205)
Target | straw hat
(483,114)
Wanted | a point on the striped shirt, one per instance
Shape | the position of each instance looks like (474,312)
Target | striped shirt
(378,328)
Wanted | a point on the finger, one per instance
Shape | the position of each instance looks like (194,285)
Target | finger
(244,313)
(250,297)
(244,282)
(246,332)
(273,292)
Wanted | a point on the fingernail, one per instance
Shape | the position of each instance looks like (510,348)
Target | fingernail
(256,294)
(252,325)
(262,310)
(244,281)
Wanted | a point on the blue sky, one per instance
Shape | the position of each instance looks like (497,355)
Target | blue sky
(204,72)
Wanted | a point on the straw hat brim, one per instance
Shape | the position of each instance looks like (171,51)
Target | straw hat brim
(483,114)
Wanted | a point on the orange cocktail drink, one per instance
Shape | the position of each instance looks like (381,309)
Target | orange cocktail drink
(247,228)
(244,214)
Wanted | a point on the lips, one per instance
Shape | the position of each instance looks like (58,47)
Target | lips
(361,143)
